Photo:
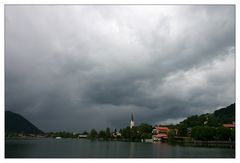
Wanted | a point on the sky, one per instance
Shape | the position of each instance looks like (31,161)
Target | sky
(78,67)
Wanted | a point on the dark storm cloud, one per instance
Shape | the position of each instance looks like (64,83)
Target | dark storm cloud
(80,67)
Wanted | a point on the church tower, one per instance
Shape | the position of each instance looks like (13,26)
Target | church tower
(131,122)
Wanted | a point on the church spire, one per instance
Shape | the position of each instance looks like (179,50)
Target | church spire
(131,122)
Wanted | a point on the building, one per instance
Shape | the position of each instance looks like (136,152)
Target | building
(81,136)
(131,122)
(160,133)
(116,134)
(231,126)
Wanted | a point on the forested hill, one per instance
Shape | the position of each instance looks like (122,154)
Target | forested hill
(15,123)
(217,118)
(225,115)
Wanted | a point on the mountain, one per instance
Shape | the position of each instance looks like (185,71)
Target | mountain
(217,118)
(15,123)
(225,115)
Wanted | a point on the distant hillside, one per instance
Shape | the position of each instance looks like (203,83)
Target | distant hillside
(225,115)
(217,118)
(15,123)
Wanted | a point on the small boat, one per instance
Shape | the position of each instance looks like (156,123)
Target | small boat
(58,137)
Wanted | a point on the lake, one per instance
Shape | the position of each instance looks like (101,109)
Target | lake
(83,148)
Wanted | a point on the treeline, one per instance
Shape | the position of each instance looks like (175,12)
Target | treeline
(205,127)
(204,133)
(209,126)
(101,135)
(143,131)
(63,134)
(207,133)
(92,134)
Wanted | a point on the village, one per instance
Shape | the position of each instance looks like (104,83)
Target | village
(222,136)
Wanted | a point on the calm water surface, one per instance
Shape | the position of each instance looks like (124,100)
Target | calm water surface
(74,148)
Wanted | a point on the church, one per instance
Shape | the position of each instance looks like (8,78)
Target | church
(131,122)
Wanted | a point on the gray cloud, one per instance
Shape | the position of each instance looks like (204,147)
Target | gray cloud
(78,67)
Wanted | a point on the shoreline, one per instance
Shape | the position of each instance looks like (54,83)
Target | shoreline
(194,143)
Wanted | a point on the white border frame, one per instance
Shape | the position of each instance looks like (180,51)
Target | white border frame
(2,93)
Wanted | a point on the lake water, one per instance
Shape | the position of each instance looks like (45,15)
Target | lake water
(74,148)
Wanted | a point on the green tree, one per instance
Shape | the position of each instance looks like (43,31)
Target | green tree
(145,128)
(212,121)
(135,134)
(146,136)
(223,133)
(108,133)
(93,134)
(232,134)
(205,133)
(171,134)
(125,133)
(144,131)
(102,134)
(182,130)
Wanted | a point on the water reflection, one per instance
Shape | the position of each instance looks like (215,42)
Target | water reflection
(72,148)
(131,149)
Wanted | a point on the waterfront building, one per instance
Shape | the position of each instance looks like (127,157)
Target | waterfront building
(160,133)
(116,134)
(82,136)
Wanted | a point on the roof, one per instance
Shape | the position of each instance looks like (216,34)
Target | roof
(161,136)
(229,125)
(162,128)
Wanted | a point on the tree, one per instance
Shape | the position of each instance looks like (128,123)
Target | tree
(232,134)
(212,121)
(93,134)
(205,133)
(144,131)
(146,136)
(223,133)
(135,134)
(102,134)
(145,128)
(125,132)
(182,130)
(171,134)
(108,133)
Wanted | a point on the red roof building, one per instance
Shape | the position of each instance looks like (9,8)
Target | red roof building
(160,132)
(229,125)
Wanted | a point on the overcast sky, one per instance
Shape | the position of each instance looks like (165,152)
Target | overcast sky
(80,67)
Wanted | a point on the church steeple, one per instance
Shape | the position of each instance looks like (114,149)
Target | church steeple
(131,122)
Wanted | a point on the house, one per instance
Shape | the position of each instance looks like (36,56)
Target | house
(160,133)
(82,136)
(189,131)
(116,134)
(229,125)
